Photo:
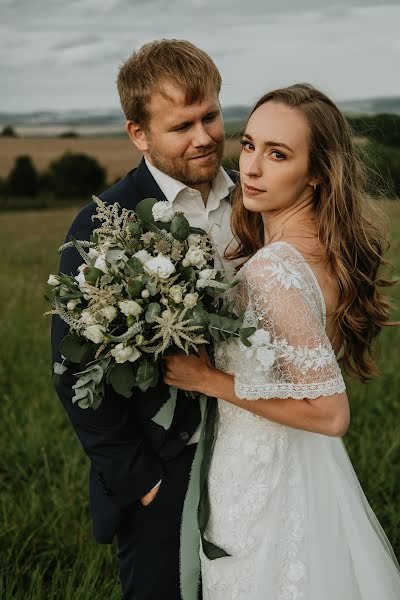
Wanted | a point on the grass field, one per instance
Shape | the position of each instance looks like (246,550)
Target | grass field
(46,548)
(117,155)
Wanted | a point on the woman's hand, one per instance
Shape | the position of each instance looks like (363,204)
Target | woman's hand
(189,373)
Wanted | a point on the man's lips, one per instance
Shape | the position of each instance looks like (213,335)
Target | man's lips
(203,156)
(251,191)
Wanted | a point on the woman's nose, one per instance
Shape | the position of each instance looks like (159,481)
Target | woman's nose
(252,166)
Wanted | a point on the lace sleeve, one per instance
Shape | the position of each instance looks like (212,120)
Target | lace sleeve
(291,355)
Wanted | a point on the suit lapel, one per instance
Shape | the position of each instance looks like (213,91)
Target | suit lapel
(146,184)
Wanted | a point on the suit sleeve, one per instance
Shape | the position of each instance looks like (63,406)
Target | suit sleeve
(111,436)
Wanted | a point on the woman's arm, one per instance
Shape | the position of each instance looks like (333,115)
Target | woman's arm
(328,415)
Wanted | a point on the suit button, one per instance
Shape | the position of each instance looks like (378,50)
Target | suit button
(184,435)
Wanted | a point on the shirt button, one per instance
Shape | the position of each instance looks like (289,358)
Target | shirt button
(184,435)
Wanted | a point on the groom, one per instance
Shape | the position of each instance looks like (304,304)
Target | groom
(138,471)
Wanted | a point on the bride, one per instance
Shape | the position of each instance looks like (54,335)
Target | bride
(286,504)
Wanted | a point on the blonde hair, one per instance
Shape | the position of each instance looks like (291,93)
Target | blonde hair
(353,241)
(174,61)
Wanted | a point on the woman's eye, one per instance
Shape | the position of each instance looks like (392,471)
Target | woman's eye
(278,155)
(246,145)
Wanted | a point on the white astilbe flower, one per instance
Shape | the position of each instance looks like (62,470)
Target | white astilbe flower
(112,218)
(173,328)
(128,335)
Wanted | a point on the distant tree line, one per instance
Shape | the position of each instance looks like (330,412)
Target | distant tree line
(74,175)
(71,176)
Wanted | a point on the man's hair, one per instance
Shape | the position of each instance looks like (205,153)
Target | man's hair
(164,61)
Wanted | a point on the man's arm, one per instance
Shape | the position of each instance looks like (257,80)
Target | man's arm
(111,437)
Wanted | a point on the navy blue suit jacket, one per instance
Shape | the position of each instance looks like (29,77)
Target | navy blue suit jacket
(127,450)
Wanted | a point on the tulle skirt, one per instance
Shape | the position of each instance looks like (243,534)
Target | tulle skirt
(293,517)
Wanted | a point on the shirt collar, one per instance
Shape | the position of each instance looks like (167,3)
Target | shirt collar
(170,187)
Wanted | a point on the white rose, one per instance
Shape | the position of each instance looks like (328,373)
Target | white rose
(101,263)
(53,280)
(58,368)
(87,318)
(72,304)
(143,256)
(160,265)
(82,268)
(195,256)
(193,239)
(130,307)
(123,353)
(207,274)
(109,313)
(94,333)
(176,293)
(163,211)
(190,300)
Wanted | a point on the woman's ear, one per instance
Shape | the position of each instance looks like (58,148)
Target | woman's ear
(137,135)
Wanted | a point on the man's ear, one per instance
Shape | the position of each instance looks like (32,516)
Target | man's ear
(137,135)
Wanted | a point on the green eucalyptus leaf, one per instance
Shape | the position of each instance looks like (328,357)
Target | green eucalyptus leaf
(145,375)
(144,209)
(93,274)
(153,310)
(72,349)
(122,378)
(114,255)
(134,265)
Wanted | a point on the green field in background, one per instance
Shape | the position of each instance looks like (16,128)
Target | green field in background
(46,546)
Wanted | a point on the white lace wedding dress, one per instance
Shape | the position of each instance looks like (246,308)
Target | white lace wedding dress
(286,504)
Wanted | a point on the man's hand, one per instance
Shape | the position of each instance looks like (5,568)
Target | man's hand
(149,497)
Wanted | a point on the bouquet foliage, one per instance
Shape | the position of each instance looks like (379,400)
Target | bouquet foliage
(146,286)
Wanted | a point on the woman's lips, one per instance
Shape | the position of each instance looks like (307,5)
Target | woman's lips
(252,191)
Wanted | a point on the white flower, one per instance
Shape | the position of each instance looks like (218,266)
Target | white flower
(176,293)
(193,239)
(93,253)
(94,333)
(87,317)
(101,263)
(207,274)
(82,283)
(109,313)
(163,211)
(82,268)
(53,280)
(143,256)
(190,300)
(260,338)
(160,265)
(130,307)
(123,353)
(72,304)
(195,256)
(59,369)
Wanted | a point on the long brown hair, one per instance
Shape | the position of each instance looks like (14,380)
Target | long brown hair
(353,240)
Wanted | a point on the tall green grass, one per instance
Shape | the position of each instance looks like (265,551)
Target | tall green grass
(46,546)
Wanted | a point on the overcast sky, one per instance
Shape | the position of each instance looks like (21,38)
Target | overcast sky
(63,54)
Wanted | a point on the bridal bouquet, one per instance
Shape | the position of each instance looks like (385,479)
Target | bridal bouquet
(146,285)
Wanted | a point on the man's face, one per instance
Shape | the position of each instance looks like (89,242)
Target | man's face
(185,141)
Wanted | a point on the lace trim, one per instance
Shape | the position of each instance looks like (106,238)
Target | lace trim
(298,391)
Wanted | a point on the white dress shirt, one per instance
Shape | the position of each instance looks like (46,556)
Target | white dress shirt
(214,218)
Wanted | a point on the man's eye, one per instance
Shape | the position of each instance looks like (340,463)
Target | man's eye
(211,117)
(181,127)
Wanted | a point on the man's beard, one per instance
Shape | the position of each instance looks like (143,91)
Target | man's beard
(186,171)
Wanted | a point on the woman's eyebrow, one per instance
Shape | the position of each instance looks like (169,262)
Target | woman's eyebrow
(269,143)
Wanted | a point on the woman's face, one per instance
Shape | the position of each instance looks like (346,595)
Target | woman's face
(274,160)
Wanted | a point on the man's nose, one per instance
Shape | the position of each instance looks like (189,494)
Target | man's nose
(201,137)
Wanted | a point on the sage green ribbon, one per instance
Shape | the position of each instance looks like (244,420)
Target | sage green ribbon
(196,508)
